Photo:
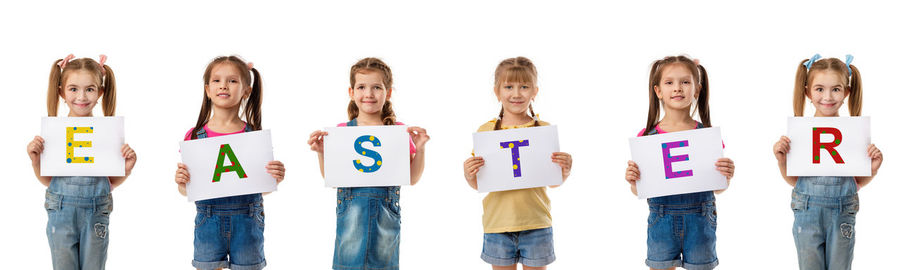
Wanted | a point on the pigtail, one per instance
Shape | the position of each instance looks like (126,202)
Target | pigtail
(536,122)
(800,88)
(387,114)
(53,88)
(205,110)
(253,107)
(499,119)
(855,92)
(353,110)
(109,91)
(703,99)
(653,113)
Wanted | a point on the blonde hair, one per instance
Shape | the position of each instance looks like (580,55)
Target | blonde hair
(367,65)
(851,80)
(517,69)
(103,75)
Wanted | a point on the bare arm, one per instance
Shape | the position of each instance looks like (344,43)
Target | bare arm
(130,159)
(417,160)
(317,143)
(781,148)
(34,149)
(874,153)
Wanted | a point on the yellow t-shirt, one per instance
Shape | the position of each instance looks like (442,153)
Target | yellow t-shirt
(515,210)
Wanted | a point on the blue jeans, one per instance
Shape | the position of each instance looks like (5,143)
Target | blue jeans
(78,209)
(531,248)
(228,233)
(368,228)
(824,220)
(681,231)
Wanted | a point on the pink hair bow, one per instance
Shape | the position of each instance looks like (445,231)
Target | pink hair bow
(102,63)
(62,64)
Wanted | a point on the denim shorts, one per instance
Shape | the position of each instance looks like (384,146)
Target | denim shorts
(78,209)
(681,232)
(228,233)
(368,228)
(531,248)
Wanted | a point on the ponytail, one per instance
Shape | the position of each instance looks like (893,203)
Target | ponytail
(54,88)
(109,92)
(253,104)
(800,88)
(852,82)
(855,92)
(106,82)
(703,99)
(653,112)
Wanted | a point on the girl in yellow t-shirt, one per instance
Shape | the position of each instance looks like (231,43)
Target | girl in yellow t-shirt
(517,225)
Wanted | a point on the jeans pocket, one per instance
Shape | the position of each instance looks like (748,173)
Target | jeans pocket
(259,215)
(394,207)
(712,215)
(200,220)
(342,204)
(653,219)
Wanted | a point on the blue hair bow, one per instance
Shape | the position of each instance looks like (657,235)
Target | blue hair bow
(849,59)
(812,60)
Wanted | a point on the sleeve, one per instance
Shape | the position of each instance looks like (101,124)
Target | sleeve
(187,136)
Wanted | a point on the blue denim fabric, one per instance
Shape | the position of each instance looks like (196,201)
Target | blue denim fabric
(531,248)
(681,231)
(824,219)
(368,228)
(78,209)
(228,233)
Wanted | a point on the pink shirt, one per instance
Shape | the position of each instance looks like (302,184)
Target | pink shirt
(210,133)
(412,146)
(660,131)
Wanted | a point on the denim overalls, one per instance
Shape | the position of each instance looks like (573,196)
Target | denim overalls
(368,227)
(228,231)
(78,210)
(681,230)
(824,216)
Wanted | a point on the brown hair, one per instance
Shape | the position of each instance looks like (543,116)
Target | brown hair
(699,74)
(851,81)
(252,108)
(367,65)
(106,82)
(518,69)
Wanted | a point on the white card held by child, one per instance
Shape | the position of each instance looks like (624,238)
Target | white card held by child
(83,146)
(228,165)
(678,162)
(829,146)
(366,156)
(517,158)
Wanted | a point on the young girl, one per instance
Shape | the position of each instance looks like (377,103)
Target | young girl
(228,232)
(825,206)
(369,238)
(78,207)
(516,223)
(681,229)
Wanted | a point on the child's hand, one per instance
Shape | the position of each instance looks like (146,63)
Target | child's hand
(564,160)
(781,148)
(419,136)
(471,166)
(632,173)
(876,156)
(317,141)
(35,148)
(725,167)
(130,158)
(182,176)
(276,169)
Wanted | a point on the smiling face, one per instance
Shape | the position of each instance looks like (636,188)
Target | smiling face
(369,92)
(81,90)
(827,91)
(677,88)
(225,87)
(516,96)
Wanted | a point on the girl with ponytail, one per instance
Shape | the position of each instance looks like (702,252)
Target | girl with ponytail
(517,223)
(232,88)
(680,86)
(78,207)
(378,247)
(830,221)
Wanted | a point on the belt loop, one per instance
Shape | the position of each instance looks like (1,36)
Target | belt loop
(250,209)
(805,202)
(208,211)
(662,210)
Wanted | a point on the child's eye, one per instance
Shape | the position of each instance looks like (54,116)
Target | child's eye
(377,87)
(215,80)
(360,87)
(233,81)
(836,89)
(686,82)
(819,89)
(73,89)
(524,87)
(90,89)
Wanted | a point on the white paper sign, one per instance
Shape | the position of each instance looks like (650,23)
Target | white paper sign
(678,162)
(228,165)
(366,156)
(829,146)
(517,158)
(83,146)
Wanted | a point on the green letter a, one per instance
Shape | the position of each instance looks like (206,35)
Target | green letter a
(225,149)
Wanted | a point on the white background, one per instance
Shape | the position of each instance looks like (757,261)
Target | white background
(593,62)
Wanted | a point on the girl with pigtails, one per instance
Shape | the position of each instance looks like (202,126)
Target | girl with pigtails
(825,207)
(78,207)
(228,231)
(681,229)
